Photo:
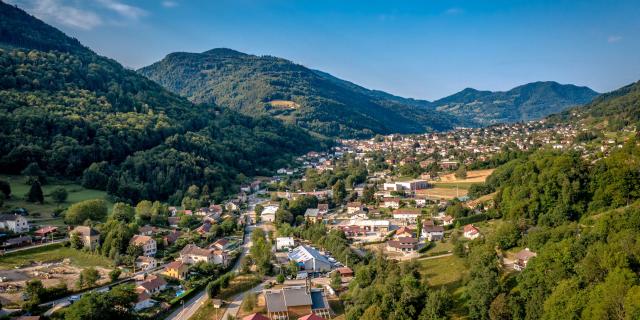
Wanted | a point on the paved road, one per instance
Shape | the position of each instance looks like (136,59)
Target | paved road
(234,305)
(190,307)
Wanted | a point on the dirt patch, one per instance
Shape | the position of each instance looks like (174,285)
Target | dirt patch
(473,176)
(443,193)
(51,274)
(283,104)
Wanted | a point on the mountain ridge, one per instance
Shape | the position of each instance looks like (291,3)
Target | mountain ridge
(530,101)
(309,98)
(321,102)
(78,115)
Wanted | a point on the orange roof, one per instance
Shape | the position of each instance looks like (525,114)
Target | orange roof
(470,228)
(139,240)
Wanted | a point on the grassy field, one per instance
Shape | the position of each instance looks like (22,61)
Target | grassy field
(52,253)
(447,272)
(42,212)
(208,312)
(453,185)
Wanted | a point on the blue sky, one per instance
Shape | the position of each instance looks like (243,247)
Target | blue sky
(421,49)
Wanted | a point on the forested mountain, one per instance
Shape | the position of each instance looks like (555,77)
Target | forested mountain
(76,114)
(613,110)
(527,102)
(311,99)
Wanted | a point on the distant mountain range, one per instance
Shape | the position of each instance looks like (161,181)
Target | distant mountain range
(334,107)
(527,102)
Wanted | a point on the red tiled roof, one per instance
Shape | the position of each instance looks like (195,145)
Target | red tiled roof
(311,316)
(255,316)
(470,228)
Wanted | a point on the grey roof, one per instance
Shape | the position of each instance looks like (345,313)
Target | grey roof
(275,301)
(9,217)
(312,212)
(86,231)
(305,253)
(279,301)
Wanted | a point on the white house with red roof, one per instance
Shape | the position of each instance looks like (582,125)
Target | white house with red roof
(471,232)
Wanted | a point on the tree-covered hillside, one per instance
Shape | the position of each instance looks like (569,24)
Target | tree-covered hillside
(527,102)
(311,99)
(77,114)
(610,111)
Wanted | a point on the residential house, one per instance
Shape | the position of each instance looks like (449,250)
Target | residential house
(148,245)
(173,221)
(323,208)
(403,244)
(471,232)
(143,301)
(46,231)
(152,285)
(447,220)
(145,263)
(89,236)
(404,232)
(309,259)
(345,272)
(522,259)
(432,232)
(381,227)
(147,230)
(255,316)
(295,302)
(204,228)
(313,215)
(407,215)
(177,270)
(192,254)
(269,213)
(393,203)
(353,207)
(14,223)
(171,237)
(221,244)
(284,243)
(353,231)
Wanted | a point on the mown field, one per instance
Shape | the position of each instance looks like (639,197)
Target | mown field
(42,213)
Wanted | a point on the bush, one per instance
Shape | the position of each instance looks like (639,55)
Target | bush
(280,278)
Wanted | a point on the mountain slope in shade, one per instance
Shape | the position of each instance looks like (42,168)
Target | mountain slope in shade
(311,99)
(527,102)
(83,116)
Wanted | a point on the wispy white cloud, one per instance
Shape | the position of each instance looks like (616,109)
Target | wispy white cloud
(614,38)
(123,9)
(58,11)
(169,4)
(82,14)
